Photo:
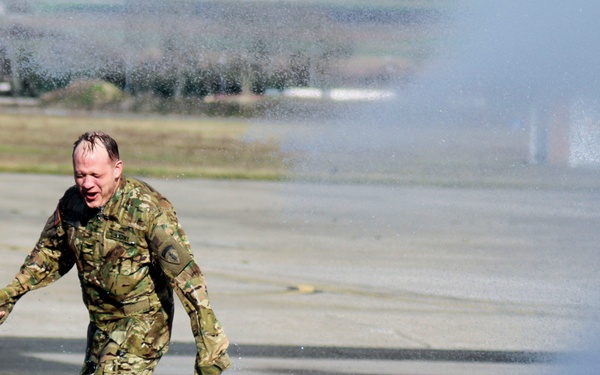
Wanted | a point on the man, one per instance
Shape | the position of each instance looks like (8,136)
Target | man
(130,253)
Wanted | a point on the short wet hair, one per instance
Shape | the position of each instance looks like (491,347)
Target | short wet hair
(97,137)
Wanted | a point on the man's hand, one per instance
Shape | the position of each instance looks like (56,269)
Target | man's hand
(221,364)
(6,305)
(210,370)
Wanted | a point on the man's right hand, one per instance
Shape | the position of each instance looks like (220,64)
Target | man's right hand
(4,312)
(6,305)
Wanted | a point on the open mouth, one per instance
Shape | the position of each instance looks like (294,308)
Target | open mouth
(90,196)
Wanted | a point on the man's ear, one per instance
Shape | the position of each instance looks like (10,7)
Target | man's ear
(118,169)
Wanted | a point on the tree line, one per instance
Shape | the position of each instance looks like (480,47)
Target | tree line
(188,48)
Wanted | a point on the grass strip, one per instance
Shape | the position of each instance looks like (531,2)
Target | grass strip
(160,147)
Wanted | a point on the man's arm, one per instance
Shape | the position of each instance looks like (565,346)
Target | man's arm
(44,265)
(211,340)
(174,255)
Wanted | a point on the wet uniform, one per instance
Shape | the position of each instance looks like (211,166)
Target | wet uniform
(130,256)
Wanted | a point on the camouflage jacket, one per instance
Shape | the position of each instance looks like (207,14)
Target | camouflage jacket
(130,256)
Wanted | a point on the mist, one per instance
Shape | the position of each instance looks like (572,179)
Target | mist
(517,77)
(508,101)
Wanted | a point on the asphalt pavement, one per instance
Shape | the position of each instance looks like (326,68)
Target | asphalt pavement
(345,279)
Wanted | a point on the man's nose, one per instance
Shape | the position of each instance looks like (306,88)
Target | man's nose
(87,182)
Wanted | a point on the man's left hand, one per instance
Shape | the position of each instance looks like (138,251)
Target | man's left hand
(221,365)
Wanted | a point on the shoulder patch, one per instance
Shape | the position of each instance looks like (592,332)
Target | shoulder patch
(170,255)
(53,220)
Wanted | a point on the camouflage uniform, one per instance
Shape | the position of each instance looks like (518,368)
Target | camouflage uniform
(130,256)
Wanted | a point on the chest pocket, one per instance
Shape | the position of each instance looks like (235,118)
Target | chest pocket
(85,245)
(125,263)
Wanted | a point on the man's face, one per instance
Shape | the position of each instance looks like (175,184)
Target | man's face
(96,175)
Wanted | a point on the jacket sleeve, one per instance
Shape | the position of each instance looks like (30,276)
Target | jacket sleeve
(172,249)
(46,263)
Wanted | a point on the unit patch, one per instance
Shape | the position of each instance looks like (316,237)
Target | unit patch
(170,255)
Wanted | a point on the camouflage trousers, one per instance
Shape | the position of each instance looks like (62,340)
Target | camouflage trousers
(105,357)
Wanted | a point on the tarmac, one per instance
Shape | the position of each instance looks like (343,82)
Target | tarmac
(331,279)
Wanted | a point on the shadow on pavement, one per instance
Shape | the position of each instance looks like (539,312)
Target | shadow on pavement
(16,354)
